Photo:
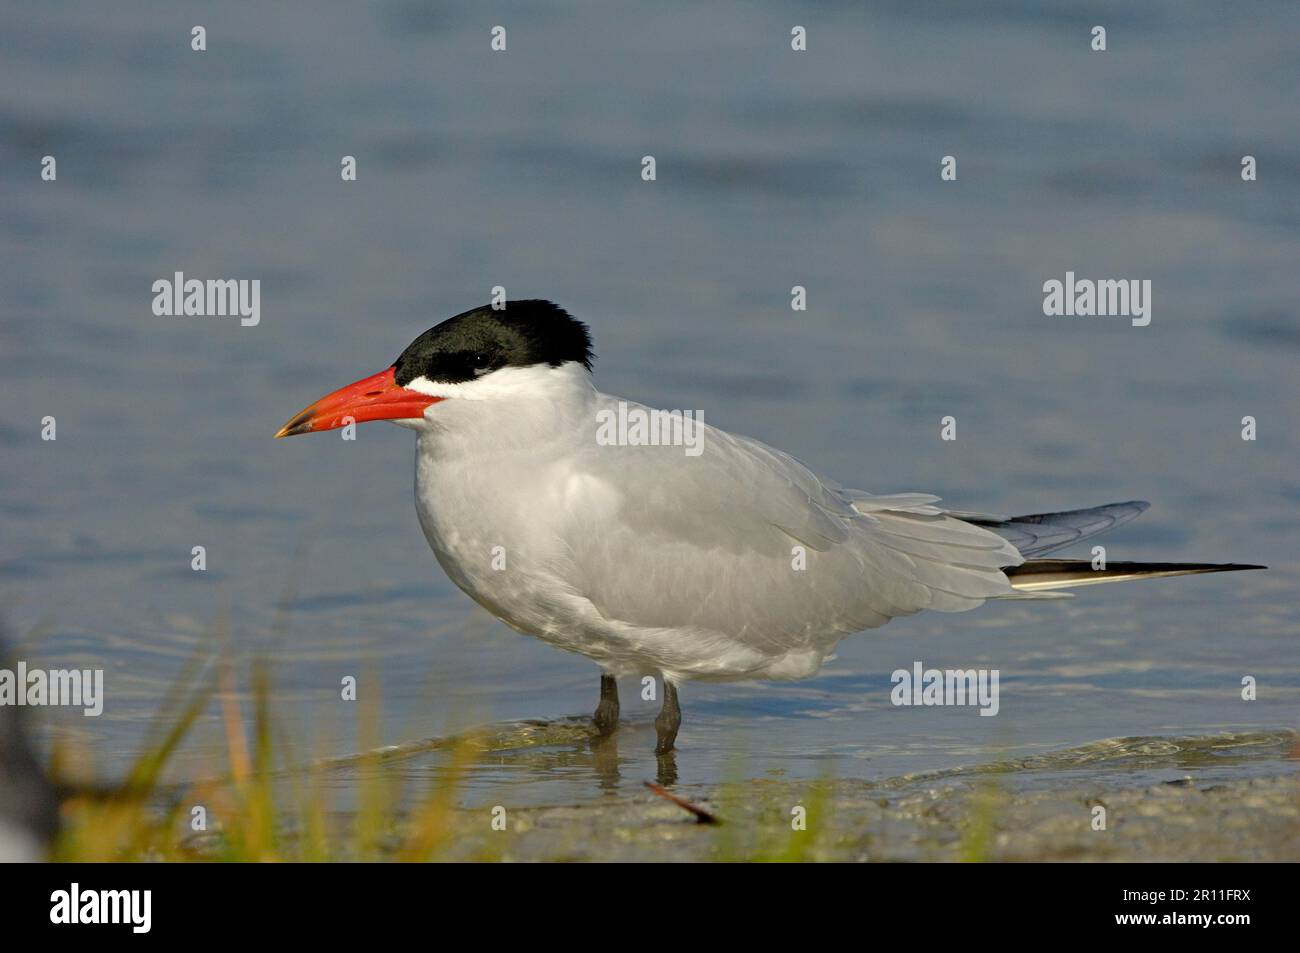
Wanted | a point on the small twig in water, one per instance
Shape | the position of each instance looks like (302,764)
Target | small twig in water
(701,815)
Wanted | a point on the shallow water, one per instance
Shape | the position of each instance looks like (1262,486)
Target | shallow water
(1230,796)
(774,169)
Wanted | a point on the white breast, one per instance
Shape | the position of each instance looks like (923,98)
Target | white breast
(499,490)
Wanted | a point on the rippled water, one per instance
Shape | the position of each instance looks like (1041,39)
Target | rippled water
(774,169)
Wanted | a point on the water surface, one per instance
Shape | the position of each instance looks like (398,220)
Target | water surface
(774,169)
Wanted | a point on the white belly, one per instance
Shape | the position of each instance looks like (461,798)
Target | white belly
(503,525)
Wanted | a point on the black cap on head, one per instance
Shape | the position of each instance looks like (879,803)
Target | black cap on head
(476,342)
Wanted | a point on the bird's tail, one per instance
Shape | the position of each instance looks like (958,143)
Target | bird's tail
(1039,575)
(1038,534)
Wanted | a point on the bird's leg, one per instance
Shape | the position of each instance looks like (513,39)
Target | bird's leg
(606,716)
(666,768)
(669,720)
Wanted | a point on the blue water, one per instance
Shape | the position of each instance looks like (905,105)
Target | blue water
(775,168)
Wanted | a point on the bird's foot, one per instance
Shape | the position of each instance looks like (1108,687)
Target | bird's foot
(669,720)
(606,719)
(606,714)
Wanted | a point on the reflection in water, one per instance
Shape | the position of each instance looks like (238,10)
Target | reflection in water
(666,768)
(604,750)
(563,752)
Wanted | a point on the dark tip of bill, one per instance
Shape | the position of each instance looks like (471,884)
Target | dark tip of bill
(299,424)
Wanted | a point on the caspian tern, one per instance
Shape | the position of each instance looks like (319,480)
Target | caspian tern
(735,563)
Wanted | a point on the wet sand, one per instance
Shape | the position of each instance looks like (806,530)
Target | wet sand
(1230,797)
(1242,821)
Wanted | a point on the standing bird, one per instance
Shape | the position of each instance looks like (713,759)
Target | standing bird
(712,556)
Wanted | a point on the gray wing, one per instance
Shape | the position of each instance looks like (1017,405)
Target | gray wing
(1042,533)
(715,543)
